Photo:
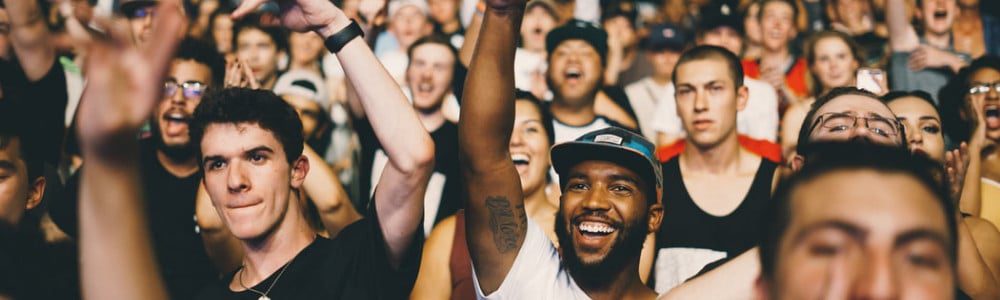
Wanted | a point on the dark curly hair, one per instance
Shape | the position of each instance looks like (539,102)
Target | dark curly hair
(247,106)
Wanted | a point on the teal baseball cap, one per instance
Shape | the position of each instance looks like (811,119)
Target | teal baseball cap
(612,144)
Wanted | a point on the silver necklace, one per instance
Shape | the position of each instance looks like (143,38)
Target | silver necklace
(263,296)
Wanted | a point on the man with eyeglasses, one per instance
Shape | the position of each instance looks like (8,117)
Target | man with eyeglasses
(703,223)
(171,175)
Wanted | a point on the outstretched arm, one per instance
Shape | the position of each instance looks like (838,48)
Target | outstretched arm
(30,38)
(497,221)
(399,198)
(902,36)
(124,84)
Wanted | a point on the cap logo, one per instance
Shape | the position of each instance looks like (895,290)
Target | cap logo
(608,138)
(668,33)
(724,9)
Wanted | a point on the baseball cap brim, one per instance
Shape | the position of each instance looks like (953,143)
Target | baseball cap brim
(127,7)
(569,154)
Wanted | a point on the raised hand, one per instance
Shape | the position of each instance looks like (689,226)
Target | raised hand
(125,82)
(238,74)
(298,15)
(956,164)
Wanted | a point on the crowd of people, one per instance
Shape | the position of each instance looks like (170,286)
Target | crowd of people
(499,149)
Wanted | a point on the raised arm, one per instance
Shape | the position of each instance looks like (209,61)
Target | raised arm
(124,84)
(399,198)
(324,190)
(497,221)
(30,38)
(902,36)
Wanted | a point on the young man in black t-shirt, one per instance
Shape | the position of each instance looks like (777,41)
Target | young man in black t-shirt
(250,145)
(704,223)
(429,79)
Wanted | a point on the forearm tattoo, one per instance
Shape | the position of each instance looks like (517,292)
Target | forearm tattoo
(505,223)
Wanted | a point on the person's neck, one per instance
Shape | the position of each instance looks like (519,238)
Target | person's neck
(432,120)
(179,167)
(940,40)
(306,65)
(780,55)
(723,158)
(661,80)
(268,83)
(451,26)
(265,256)
(537,203)
(626,284)
(574,115)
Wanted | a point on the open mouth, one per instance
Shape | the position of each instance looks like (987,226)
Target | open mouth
(175,122)
(521,162)
(595,229)
(573,74)
(992,114)
(940,14)
(425,87)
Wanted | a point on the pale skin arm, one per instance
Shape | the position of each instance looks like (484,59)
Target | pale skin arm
(987,240)
(434,278)
(399,196)
(604,106)
(222,247)
(124,84)
(30,37)
(974,276)
(902,36)
(323,188)
(497,221)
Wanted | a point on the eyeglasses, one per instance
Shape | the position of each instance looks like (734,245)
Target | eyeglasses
(840,122)
(143,12)
(984,88)
(191,89)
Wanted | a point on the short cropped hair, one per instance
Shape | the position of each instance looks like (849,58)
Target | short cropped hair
(706,52)
(847,156)
(247,106)
(203,53)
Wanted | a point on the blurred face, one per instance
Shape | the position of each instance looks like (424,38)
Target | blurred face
(874,122)
(574,71)
(724,37)
(707,101)
(173,114)
(15,187)
(855,13)
(603,218)
(248,178)
(777,25)
(443,11)
(835,65)
(897,247)
(408,25)
(429,75)
(529,147)
(536,25)
(141,21)
(751,23)
(222,32)
(259,51)
(621,28)
(923,126)
(305,47)
(309,112)
(4,31)
(990,100)
(663,62)
(938,15)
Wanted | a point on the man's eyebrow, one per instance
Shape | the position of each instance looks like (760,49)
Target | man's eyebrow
(7,165)
(629,179)
(923,234)
(855,232)
(259,149)
(930,118)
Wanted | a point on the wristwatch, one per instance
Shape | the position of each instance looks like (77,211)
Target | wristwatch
(338,40)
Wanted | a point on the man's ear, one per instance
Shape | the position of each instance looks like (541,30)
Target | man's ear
(35,193)
(300,168)
(742,95)
(796,162)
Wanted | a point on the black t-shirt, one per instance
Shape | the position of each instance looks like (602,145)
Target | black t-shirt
(170,209)
(39,105)
(354,265)
(32,269)
(445,164)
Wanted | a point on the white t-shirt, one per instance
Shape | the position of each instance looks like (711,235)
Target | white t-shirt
(758,120)
(645,95)
(395,62)
(526,64)
(537,272)
(566,133)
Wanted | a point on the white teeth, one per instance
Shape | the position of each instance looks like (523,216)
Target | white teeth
(425,87)
(595,227)
(519,158)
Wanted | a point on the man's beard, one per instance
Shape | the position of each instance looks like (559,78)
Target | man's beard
(174,152)
(627,246)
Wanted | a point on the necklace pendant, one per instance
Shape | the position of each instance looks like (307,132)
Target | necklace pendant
(263,297)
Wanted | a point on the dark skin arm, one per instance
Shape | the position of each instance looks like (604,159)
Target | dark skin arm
(495,212)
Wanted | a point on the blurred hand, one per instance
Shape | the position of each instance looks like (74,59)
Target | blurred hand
(773,75)
(956,163)
(206,7)
(298,15)
(124,82)
(238,74)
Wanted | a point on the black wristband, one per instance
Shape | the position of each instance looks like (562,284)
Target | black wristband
(338,40)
